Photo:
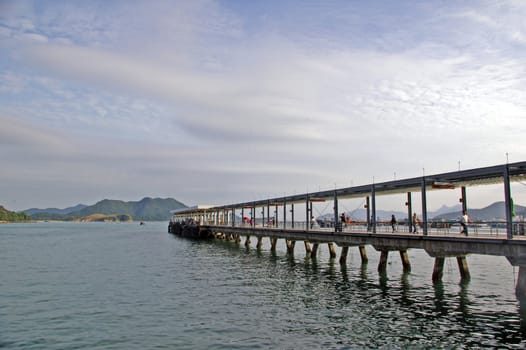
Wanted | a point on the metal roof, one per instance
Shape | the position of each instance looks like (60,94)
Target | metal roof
(472,177)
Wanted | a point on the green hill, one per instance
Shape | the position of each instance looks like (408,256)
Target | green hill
(11,216)
(147,209)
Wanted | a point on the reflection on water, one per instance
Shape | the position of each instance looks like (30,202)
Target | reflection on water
(96,286)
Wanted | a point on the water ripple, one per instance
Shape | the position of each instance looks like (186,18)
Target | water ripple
(125,286)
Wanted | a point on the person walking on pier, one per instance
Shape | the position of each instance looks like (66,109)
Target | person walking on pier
(464,219)
(415,223)
(393,223)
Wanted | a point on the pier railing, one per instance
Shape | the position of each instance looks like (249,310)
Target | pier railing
(452,228)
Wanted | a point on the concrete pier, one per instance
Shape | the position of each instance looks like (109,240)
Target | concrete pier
(437,241)
(273,243)
(463,268)
(314,251)
(332,252)
(343,255)
(363,254)
(290,246)
(405,260)
(382,263)
(520,289)
(438,269)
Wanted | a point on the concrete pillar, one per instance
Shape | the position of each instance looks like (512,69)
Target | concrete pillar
(343,256)
(307,247)
(438,269)
(382,264)
(332,252)
(259,243)
(247,241)
(273,242)
(463,267)
(290,246)
(520,289)
(363,254)
(405,261)
(314,252)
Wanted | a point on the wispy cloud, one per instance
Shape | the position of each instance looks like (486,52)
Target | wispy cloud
(196,96)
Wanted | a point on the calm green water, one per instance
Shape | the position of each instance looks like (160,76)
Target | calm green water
(125,286)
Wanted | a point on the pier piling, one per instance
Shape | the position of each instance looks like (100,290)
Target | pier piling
(332,252)
(273,243)
(343,256)
(363,254)
(438,269)
(382,263)
(520,289)
(463,267)
(405,260)
(290,246)
(314,251)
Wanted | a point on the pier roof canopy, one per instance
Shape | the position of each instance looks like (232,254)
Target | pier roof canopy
(471,177)
(191,210)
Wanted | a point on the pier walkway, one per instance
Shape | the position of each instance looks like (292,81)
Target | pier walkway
(274,218)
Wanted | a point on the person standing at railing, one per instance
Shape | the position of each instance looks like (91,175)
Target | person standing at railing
(393,223)
(415,223)
(464,219)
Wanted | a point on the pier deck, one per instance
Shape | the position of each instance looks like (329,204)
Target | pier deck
(439,239)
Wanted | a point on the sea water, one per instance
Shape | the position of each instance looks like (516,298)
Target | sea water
(131,286)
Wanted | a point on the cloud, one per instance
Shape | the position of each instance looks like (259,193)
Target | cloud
(230,102)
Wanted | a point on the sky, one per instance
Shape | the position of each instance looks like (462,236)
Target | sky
(216,102)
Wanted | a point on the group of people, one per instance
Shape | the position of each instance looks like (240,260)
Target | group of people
(415,223)
(464,219)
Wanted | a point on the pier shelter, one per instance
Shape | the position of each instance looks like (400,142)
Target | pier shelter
(277,218)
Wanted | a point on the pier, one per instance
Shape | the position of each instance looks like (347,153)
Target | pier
(276,218)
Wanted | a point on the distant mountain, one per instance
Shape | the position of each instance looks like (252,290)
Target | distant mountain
(147,209)
(495,211)
(445,210)
(55,210)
